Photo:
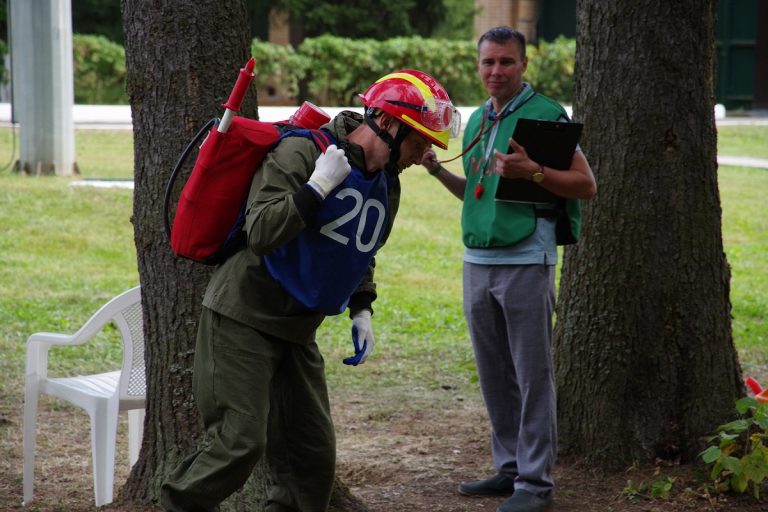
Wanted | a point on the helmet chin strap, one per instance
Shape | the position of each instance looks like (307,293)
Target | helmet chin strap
(394,143)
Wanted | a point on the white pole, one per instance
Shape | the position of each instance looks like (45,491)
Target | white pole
(43,88)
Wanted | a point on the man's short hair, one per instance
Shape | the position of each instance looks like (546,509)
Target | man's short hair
(502,35)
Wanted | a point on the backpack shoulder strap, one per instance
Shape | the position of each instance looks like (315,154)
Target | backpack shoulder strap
(321,138)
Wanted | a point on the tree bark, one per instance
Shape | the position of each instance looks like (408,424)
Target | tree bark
(645,360)
(182,59)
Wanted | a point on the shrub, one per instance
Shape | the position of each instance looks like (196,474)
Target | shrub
(99,70)
(550,68)
(740,453)
(452,63)
(342,68)
(279,71)
(339,68)
(333,70)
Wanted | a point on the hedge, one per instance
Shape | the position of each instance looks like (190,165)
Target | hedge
(99,70)
(331,71)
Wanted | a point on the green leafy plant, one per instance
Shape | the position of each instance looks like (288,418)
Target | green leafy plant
(99,70)
(279,70)
(551,68)
(659,488)
(331,70)
(739,451)
(340,68)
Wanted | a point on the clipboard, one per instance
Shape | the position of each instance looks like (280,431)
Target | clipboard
(549,143)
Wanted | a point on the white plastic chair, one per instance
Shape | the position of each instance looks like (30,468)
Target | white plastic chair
(103,395)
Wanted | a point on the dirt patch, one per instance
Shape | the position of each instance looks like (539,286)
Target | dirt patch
(400,452)
(409,454)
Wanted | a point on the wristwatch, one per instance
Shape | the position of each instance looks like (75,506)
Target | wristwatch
(538,176)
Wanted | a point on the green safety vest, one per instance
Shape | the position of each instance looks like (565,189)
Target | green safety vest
(486,222)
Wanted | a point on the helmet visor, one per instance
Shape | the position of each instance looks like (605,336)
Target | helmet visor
(445,117)
(437,115)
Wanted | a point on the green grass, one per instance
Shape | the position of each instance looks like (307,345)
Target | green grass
(104,154)
(743,141)
(745,235)
(65,250)
(100,154)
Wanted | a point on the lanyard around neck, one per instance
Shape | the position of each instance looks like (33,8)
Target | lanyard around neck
(487,147)
(507,109)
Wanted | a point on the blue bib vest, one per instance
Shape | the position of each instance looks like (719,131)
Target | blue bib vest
(325,263)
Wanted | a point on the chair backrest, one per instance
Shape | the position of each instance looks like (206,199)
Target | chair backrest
(129,320)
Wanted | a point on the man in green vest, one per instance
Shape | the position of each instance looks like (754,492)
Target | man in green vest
(509,272)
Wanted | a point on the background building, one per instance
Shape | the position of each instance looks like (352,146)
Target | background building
(742,41)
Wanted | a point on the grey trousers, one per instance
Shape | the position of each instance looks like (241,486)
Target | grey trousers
(257,396)
(509,313)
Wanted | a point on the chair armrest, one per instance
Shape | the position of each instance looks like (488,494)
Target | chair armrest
(37,350)
(51,338)
(39,342)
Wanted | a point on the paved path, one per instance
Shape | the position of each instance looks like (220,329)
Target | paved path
(118,117)
(742,161)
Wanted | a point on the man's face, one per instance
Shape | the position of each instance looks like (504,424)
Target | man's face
(501,68)
(412,149)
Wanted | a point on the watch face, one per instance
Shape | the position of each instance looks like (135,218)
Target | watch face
(538,177)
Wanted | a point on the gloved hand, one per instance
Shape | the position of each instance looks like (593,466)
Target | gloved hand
(362,337)
(330,169)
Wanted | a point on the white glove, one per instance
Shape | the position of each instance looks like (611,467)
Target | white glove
(330,170)
(362,337)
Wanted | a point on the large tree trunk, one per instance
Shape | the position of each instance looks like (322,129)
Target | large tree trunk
(182,59)
(645,361)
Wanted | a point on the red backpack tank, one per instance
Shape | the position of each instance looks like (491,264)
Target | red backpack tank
(208,215)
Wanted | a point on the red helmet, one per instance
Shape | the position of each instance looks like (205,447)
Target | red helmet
(419,101)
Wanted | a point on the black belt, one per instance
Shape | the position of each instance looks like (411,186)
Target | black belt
(546,213)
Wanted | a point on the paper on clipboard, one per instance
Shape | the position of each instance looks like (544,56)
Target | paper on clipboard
(549,143)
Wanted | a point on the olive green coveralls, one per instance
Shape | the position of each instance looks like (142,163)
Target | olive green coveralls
(259,379)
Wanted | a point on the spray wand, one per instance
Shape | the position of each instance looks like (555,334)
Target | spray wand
(232,105)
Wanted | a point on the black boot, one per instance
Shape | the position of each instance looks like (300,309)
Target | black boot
(497,485)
